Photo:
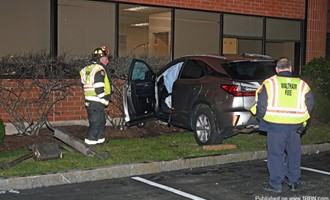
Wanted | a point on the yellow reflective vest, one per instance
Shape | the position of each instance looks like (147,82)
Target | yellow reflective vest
(87,75)
(286,100)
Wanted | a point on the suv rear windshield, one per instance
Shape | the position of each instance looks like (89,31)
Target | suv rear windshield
(250,70)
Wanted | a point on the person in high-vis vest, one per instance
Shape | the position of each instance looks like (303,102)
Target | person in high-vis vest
(283,105)
(97,89)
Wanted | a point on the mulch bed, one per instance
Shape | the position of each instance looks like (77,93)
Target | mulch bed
(152,129)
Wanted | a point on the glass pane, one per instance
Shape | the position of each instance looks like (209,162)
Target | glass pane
(247,70)
(239,46)
(328,46)
(196,32)
(249,46)
(144,31)
(193,69)
(140,71)
(238,25)
(25,26)
(280,29)
(280,49)
(85,25)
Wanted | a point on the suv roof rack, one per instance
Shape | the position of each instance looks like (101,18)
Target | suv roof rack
(209,55)
(252,55)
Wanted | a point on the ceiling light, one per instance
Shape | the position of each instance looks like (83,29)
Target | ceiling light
(140,24)
(136,9)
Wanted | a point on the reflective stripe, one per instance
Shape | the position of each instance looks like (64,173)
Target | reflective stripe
(302,91)
(273,91)
(83,76)
(288,110)
(97,99)
(94,71)
(99,84)
(88,88)
(285,112)
(101,95)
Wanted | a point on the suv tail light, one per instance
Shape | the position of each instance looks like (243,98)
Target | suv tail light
(238,90)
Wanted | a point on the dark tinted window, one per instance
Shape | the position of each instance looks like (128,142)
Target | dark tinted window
(251,70)
(193,69)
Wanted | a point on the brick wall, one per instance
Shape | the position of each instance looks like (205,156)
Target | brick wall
(69,109)
(316,29)
(273,8)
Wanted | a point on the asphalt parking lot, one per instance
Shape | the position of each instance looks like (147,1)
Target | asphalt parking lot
(241,180)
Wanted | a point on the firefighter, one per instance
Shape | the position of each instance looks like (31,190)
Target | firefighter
(97,89)
(283,105)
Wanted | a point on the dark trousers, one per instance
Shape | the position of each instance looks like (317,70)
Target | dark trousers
(97,120)
(284,157)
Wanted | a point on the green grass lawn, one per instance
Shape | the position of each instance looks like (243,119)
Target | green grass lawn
(162,148)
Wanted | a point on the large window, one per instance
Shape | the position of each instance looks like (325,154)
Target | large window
(144,31)
(328,46)
(141,30)
(85,25)
(25,26)
(196,33)
(283,39)
(242,34)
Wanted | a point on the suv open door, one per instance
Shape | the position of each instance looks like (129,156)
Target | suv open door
(139,93)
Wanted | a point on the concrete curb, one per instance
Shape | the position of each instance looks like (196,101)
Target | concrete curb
(120,171)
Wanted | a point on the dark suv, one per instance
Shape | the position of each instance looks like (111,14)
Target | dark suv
(210,95)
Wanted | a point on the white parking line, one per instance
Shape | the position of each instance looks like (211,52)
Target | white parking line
(184,194)
(313,170)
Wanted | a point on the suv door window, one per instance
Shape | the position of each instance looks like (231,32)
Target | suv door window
(193,69)
(141,72)
(186,89)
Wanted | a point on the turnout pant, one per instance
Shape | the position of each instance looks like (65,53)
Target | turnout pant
(97,120)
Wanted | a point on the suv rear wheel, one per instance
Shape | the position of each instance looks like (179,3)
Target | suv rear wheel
(205,128)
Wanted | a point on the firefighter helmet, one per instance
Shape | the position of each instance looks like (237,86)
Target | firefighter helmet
(100,52)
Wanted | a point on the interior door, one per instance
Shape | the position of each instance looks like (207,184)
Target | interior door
(161,43)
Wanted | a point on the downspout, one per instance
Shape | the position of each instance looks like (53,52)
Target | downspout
(172,35)
(116,48)
(221,34)
(53,36)
(53,28)
(304,37)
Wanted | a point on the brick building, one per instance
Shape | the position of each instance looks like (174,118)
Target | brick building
(169,28)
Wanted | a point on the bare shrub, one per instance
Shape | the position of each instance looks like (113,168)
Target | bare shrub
(34,83)
(31,84)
